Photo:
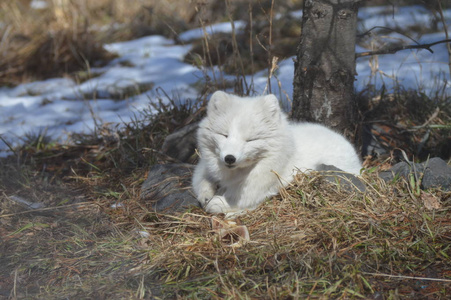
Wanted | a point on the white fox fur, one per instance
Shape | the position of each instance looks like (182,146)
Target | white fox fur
(245,142)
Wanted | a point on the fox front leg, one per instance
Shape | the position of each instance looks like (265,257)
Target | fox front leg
(203,187)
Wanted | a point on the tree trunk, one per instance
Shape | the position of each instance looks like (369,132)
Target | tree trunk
(325,67)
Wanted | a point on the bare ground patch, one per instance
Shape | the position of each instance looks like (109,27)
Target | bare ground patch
(64,248)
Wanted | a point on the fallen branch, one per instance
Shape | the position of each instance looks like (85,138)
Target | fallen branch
(391,50)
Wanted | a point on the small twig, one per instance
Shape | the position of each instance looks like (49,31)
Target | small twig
(236,49)
(431,118)
(408,277)
(251,43)
(386,28)
(448,46)
(11,148)
(270,62)
(391,50)
(166,156)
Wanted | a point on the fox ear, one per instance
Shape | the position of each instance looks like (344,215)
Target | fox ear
(217,101)
(271,104)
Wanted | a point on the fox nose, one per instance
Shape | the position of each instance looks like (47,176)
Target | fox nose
(230,159)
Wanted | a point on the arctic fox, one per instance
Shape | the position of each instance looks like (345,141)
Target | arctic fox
(245,142)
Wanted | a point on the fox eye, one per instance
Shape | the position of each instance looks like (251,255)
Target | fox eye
(251,139)
(223,134)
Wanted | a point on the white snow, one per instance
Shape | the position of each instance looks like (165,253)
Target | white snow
(39,4)
(154,65)
(225,27)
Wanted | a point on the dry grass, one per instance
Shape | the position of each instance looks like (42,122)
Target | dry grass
(94,238)
(73,244)
(252,49)
(68,36)
(40,44)
(315,241)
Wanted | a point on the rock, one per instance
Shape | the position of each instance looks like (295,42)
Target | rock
(168,188)
(433,173)
(437,173)
(347,181)
(402,169)
(181,144)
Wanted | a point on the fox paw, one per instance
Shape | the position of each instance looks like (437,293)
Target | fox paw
(205,193)
(217,205)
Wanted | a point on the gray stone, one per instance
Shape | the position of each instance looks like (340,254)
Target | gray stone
(181,144)
(347,181)
(433,173)
(168,188)
(403,170)
(437,173)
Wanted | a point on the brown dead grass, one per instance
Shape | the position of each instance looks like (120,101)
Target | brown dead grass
(314,241)
(252,49)
(40,44)
(95,238)
(68,36)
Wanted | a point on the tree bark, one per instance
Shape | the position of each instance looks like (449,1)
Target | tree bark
(325,66)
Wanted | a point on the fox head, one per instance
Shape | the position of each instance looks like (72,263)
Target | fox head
(238,132)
